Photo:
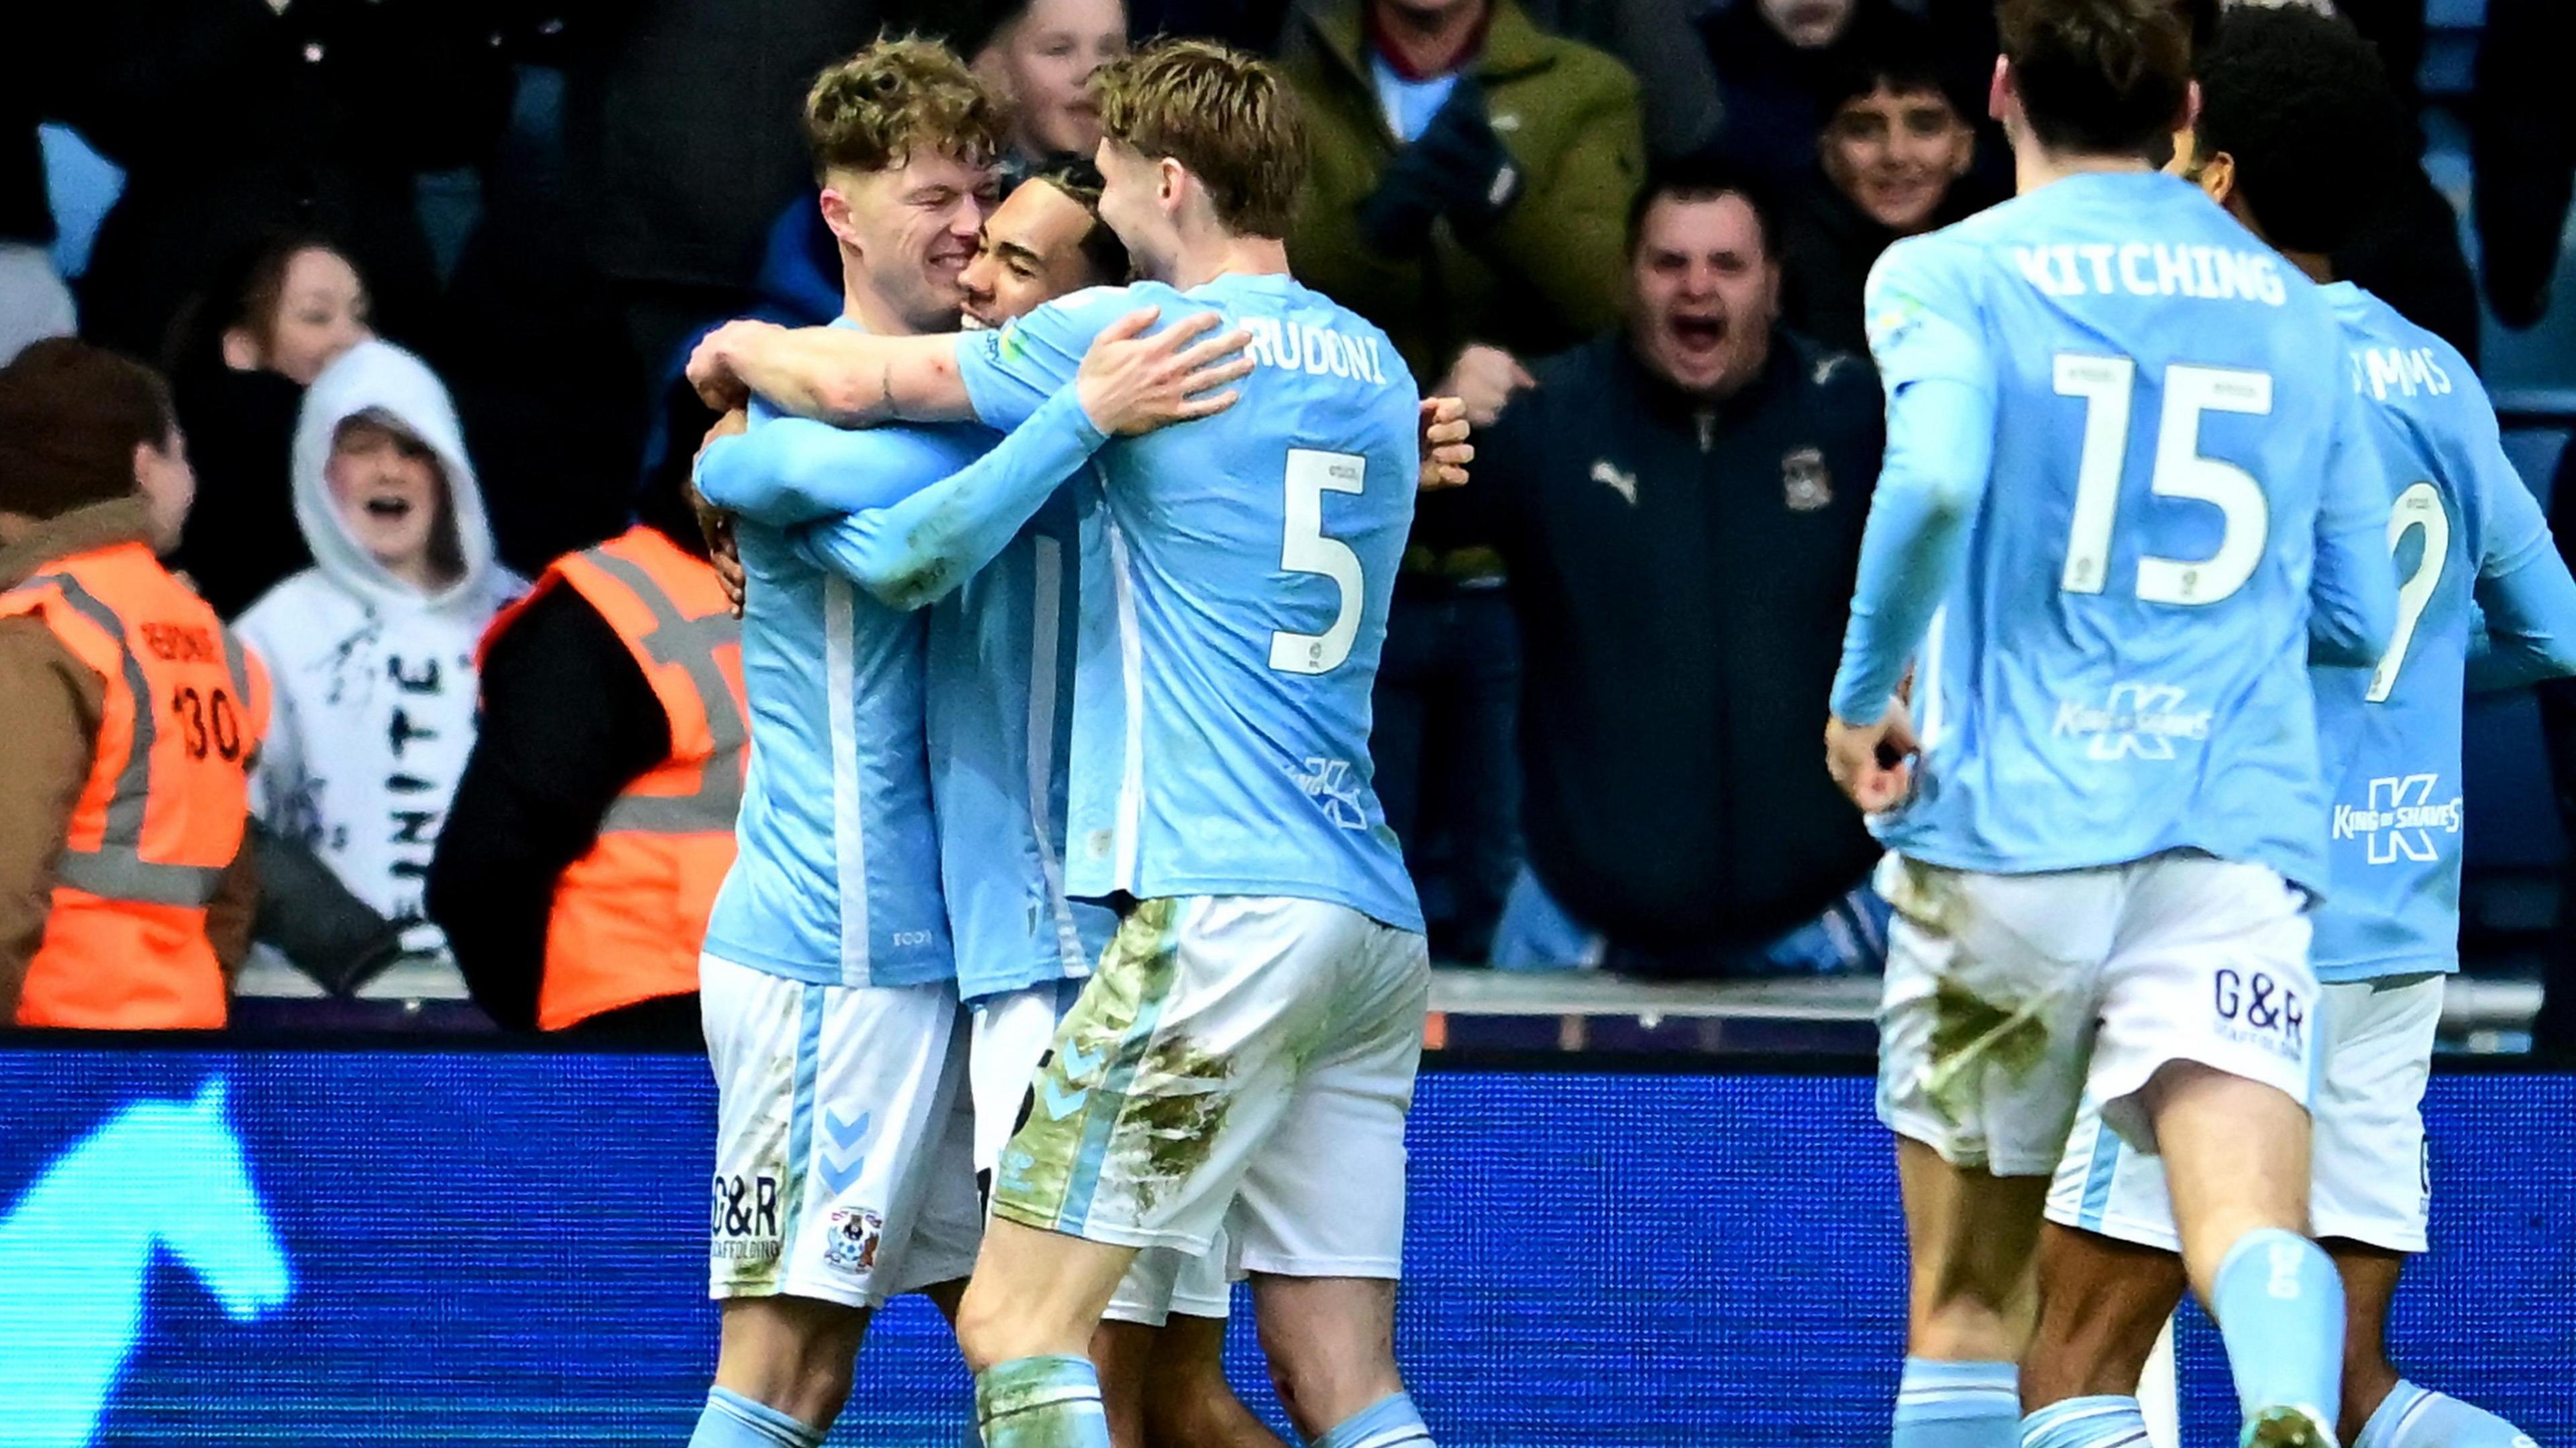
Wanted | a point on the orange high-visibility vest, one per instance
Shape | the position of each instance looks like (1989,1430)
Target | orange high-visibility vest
(629,917)
(161,816)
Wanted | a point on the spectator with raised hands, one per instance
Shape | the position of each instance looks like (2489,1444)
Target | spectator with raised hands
(1680,505)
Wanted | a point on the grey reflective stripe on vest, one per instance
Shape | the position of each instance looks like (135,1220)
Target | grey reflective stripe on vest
(238,665)
(116,870)
(691,644)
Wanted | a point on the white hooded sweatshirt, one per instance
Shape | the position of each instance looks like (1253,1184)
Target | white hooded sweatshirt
(375,679)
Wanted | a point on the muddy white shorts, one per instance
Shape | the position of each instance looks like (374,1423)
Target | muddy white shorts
(2010,998)
(832,1103)
(2369,1181)
(1241,1063)
(1012,1032)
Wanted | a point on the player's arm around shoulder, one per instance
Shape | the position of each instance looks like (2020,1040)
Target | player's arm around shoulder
(833,374)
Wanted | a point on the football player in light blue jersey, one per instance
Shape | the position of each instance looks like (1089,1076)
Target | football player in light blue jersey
(999,715)
(827,985)
(1244,1056)
(2127,495)
(832,1018)
(2297,132)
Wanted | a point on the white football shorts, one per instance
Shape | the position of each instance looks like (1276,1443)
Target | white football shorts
(1012,1032)
(832,1103)
(2010,998)
(2370,1181)
(1241,1063)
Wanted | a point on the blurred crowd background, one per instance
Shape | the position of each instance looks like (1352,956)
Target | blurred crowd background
(437,263)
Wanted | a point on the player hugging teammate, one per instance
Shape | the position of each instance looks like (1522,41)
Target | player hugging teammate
(2147,463)
(1259,1010)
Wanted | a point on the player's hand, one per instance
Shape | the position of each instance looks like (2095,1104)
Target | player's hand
(1445,449)
(1485,378)
(711,365)
(1873,762)
(714,523)
(1131,383)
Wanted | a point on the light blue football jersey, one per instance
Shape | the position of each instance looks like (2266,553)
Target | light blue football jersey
(835,877)
(2116,665)
(1001,723)
(886,508)
(2465,532)
(1234,613)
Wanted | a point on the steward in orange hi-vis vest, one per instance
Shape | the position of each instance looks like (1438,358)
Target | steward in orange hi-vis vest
(613,694)
(132,717)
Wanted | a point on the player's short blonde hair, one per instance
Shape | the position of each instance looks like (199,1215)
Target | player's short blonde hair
(873,110)
(1227,117)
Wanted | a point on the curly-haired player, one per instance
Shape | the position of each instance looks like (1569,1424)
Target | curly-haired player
(844,1173)
(1244,1056)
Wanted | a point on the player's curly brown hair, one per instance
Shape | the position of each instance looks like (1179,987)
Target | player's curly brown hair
(1228,118)
(869,112)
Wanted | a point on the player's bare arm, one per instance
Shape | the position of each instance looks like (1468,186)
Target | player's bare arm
(833,374)
(854,379)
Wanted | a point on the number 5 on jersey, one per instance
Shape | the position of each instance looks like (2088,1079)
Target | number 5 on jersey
(1303,548)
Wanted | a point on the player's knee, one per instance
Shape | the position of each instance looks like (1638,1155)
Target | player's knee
(1193,1409)
(792,1355)
(1966,1315)
(1319,1389)
(1968,1326)
(985,1328)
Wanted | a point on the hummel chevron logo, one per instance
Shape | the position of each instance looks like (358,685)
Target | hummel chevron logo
(844,1148)
(1077,1065)
(1059,1102)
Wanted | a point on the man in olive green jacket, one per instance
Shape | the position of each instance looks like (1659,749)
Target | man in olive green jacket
(1471,176)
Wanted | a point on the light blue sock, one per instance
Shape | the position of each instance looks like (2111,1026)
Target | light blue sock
(2413,1417)
(1390,1422)
(2279,1305)
(1041,1402)
(1957,1405)
(2103,1422)
(731,1420)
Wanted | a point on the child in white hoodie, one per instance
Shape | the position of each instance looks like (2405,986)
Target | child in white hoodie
(371,650)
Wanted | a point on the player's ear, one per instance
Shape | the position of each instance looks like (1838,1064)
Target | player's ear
(2217,176)
(1170,181)
(836,217)
(1999,92)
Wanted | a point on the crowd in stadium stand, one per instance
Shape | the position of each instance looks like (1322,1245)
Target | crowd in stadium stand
(421,275)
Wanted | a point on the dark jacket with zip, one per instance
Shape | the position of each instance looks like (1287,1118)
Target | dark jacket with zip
(1682,571)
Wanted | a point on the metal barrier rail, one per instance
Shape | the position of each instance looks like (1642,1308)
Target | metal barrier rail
(2471,1005)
